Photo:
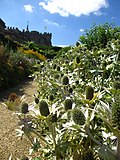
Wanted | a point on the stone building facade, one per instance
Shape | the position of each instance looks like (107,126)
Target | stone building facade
(25,35)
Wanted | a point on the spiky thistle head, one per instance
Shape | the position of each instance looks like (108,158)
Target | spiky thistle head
(36,100)
(44,109)
(24,108)
(77,59)
(68,104)
(51,97)
(54,66)
(57,76)
(54,118)
(58,68)
(12,97)
(70,90)
(65,80)
(78,116)
(89,92)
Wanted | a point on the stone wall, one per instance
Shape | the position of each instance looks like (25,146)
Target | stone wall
(25,35)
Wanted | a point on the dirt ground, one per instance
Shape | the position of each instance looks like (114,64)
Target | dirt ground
(9,143)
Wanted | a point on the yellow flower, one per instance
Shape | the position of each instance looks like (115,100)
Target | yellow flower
(31,52)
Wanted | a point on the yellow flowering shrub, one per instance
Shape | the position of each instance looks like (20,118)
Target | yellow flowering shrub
(31,52)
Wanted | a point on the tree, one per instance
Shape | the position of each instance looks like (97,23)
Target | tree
(100,35)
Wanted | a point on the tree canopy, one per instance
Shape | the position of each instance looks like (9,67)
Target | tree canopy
(100,35)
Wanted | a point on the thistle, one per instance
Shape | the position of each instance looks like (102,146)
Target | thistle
(77,60)
(56,76)
(54,118)
(54,66)
(70,90)
(65,80)
(24,108)
(12,97)
(58,68)
(44,109)
(78,116)
(36,100)
(68,104)
(89,92)
(69,115)
(51,97)
(77,82)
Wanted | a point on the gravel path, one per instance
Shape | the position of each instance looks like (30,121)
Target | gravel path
(9,143)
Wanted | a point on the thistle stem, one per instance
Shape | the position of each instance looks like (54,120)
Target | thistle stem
(52,130)
(41,138)
(97,142)
(118,148)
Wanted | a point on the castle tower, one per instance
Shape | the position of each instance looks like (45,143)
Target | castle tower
(27,29)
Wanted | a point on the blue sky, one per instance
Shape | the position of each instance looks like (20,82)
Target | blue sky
(65,19)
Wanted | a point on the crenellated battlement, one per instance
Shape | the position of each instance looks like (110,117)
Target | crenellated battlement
(25,35)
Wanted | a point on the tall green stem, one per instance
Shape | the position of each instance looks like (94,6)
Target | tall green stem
(52,130)
(118,148)
(97,142)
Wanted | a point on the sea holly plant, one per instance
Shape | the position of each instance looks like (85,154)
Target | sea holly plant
(75,114)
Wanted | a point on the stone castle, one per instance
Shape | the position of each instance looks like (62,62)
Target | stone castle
(25,35)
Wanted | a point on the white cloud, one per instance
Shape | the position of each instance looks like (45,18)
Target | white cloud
(98,13)
(81,30)
(28,8)
(73,7)
(112,18)
(48,22)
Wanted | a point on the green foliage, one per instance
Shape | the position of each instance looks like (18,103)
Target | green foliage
(99,36)
(88,155)
(14,67)
(116,85)
(116,110)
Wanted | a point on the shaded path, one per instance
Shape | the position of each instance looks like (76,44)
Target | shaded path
(9,143)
